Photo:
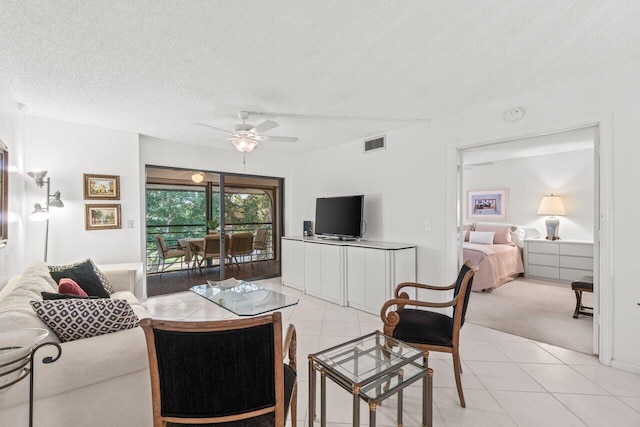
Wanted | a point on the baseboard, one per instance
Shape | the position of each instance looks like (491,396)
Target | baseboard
(626,366)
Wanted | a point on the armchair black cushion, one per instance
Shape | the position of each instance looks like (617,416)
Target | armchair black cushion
(424,327)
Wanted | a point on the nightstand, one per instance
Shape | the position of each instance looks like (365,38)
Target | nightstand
(562,260)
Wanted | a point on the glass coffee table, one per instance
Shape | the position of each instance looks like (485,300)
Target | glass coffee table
(245,299)
(372,368)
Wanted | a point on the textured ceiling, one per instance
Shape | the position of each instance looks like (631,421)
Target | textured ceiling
(157,67)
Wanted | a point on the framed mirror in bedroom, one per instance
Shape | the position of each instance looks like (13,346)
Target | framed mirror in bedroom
(4,193)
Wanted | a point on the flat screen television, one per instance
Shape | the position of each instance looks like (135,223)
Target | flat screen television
(339,217)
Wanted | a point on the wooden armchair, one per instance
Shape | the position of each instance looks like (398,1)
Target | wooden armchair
(228,371)
(428,330)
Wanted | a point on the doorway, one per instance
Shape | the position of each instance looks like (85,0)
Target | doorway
(563,162)
(214,225)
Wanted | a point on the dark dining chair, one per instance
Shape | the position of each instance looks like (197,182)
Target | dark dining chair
(228,373)
(428,330)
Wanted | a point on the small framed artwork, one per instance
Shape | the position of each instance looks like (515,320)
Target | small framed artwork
(487,204)
(102,217)
(101,187)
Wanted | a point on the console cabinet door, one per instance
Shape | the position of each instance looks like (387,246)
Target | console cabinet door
(293,263)
(331,274)
(376,278)
(313,268)
(367,281)
(356,276)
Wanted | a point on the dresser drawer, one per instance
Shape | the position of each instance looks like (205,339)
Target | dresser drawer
(544,248)
(581,263)
(544,259)
(577,250)
(543,271)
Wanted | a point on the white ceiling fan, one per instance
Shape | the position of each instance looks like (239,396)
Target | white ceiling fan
(245,137)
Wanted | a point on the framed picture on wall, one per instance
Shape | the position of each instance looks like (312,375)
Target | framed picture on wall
(101,187)
(487,204)
(102,217)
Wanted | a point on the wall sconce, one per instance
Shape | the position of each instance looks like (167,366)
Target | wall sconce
(40,213)
(551,206)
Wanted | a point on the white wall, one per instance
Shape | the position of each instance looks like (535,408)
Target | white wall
(67,151)
(569,174)
(410,183)
(11,255)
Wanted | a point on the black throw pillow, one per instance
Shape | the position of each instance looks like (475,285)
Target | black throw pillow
(47,296)
(85,276)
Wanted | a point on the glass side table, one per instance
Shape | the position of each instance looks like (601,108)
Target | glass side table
(372,368)
(17,361)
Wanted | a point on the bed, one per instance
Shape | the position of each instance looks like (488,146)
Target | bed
(496,250)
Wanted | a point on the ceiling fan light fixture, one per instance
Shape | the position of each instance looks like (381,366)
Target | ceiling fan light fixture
(244,144)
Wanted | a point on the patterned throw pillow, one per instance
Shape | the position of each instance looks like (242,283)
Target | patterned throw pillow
(73,319)
(58,271)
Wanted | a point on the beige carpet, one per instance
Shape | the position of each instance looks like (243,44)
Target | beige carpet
(535,309)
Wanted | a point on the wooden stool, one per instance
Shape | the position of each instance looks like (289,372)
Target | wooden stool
(583,284)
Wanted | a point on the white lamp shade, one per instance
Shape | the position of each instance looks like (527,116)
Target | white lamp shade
(551,205)
(244,144)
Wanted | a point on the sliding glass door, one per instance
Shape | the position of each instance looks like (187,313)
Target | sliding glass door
(221,225)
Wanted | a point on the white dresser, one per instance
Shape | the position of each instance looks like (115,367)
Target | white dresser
(564,260)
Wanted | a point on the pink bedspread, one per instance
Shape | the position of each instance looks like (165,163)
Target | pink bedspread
(497,264)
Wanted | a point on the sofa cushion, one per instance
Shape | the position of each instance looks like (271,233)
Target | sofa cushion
(73,319)
(100,276)
(15,309)
(83,273)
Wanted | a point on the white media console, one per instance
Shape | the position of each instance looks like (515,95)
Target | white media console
(362,274)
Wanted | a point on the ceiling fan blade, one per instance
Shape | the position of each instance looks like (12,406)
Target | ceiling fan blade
(279,138)
(265,126)
(213,127)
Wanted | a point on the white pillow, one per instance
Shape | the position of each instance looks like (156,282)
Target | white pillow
(482,237)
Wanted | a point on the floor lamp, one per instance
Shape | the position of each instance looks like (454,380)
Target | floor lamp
(40,213)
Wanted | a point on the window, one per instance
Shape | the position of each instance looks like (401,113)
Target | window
(4,193)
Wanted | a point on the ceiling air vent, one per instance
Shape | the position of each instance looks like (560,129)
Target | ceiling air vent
(374,144)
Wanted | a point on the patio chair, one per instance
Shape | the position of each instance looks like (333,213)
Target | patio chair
(241,244)
(260,242)
(248,383)
(210,250)
(165,253)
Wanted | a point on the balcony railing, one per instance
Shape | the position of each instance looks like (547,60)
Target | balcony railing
(172,233)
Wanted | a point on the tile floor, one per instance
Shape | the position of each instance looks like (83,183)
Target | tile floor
(507,380)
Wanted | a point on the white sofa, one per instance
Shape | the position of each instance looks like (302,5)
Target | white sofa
(98,381)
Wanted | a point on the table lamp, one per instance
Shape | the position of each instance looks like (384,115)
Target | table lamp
(551,206)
